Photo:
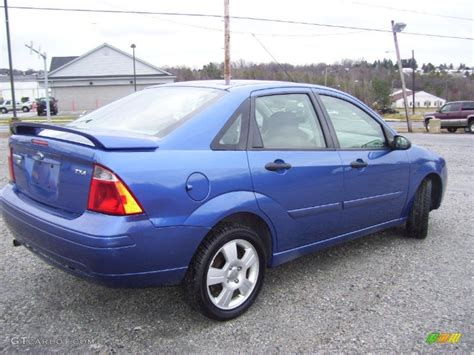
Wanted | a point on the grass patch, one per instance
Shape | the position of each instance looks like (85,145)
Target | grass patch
(418,116)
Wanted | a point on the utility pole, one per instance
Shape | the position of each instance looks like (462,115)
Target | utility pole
(10,61)
(398,27)
(326,76)
(45,60)
(227,73)
(413,80)
(133,46)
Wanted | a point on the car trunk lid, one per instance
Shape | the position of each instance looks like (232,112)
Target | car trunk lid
(54,165)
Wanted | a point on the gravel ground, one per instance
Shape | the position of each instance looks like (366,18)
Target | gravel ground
(380,293)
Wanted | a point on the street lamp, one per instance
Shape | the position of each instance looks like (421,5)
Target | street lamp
(399,26)
(396,28)
(46,86)
(133,46)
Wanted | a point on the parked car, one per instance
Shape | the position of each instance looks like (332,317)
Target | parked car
(206,185)
(41,106)
(389,110)
(453,115)
(7,106)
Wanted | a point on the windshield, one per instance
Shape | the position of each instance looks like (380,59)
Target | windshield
(155,111)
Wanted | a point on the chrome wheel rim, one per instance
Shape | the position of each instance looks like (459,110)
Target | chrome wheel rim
(232,274)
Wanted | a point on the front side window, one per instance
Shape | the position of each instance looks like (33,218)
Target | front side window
(451,107)
(456,107)
(354,128)
(288,121)
(445,108)
(155,111)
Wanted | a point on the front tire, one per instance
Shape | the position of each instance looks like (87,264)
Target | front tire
(427,125)
(452,129)
(417,223)
(4,110)
(471,126)
(25,109)
(226,273)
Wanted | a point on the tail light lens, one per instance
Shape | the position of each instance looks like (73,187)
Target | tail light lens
(109,195)
(11,172)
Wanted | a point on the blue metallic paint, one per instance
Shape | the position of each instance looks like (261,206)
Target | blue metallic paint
(320,202)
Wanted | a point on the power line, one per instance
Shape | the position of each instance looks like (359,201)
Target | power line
(260,19)
(256,33)
(271,55)
(412,11)
(240,32)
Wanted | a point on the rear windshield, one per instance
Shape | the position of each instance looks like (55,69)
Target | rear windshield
(155,111)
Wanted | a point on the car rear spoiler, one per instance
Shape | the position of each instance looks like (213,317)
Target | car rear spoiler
(106,140)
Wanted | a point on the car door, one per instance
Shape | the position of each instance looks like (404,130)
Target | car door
(455,115)
(296,172)
(375,176)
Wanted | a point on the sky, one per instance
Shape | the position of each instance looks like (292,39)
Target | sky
(184,41)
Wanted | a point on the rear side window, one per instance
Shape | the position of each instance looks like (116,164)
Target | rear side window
(155,112)
(288,121)
(467,106)
(456,107)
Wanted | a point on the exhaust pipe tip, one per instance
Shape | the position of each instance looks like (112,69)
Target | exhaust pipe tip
(16,243)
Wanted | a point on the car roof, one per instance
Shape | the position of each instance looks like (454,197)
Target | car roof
(248,84)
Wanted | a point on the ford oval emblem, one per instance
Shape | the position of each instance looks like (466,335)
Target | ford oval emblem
(38,156)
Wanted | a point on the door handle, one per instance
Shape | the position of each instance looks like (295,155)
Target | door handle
(358,164)
(275,166)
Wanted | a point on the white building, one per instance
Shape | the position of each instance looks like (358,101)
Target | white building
(25,86)
(422,99)
(99,77)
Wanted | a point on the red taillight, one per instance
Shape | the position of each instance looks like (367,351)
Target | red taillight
(11,172)
(109,195)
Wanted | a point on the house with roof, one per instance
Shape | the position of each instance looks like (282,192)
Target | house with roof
(26,86)
(422,99)
(398,94)
(99,77)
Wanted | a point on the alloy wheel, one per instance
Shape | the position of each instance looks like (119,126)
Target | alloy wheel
(232,274)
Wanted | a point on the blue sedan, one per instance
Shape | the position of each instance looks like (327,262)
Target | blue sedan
(206,185)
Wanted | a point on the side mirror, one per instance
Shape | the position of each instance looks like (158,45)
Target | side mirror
(400,143)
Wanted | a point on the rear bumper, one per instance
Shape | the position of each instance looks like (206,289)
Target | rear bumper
(111,250)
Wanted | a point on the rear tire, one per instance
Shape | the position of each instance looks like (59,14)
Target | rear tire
(452,129)
(226,273)
(4,110)
(417,223)
(25,109)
